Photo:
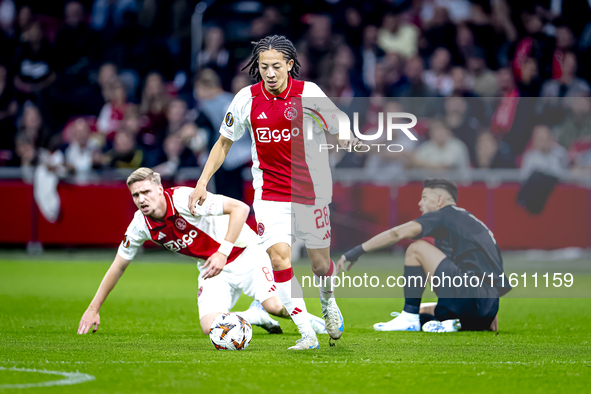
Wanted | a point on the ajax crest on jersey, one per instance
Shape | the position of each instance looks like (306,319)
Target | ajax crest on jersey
(180,223)
(260,229)
(229,331)
(290,113)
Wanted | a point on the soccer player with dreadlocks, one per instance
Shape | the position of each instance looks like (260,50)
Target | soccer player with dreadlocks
(291,178)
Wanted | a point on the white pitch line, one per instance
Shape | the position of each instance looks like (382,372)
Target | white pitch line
(70,378)
(346,361)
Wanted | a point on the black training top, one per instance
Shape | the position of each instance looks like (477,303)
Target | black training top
(466,241)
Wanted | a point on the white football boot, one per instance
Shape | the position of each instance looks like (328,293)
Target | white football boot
(451,325)
(317,324)
(335,325)
(306,342)
(402,321)
(272,326)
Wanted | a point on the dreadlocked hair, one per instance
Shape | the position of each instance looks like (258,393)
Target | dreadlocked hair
(280,44)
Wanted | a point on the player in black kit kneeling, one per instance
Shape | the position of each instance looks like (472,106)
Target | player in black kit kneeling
(465,266)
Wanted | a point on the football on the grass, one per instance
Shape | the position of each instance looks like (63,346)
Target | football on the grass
(229,331)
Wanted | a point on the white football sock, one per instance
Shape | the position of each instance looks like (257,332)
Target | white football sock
(291,295)
(324,283)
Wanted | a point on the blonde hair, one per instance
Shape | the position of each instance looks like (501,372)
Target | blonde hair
(143,173)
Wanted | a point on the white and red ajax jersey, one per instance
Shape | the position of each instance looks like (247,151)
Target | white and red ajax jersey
(196,236)
(287,164)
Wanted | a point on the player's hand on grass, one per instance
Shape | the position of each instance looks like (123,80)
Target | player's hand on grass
(214,265)
(341,264)
(89,319)
(352,256)
(198,196)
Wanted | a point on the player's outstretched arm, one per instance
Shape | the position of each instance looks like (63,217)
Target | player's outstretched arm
(91,316)
(238,212)
(214,161)
(407,230)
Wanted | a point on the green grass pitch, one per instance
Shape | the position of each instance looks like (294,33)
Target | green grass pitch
(149,340)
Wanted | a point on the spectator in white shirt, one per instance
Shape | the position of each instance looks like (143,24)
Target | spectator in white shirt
(80,152)
(546,155)
(442,151)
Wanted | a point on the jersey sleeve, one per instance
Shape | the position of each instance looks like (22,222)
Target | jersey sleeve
(236,120)
(321,108)
(430,223)
(213,205)
(135,236)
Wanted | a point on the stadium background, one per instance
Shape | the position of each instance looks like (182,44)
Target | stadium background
(90,90)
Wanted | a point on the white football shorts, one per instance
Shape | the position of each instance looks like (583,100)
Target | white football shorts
(279,221)
(250,273)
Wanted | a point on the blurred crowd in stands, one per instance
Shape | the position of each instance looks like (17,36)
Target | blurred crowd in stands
(108,84)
